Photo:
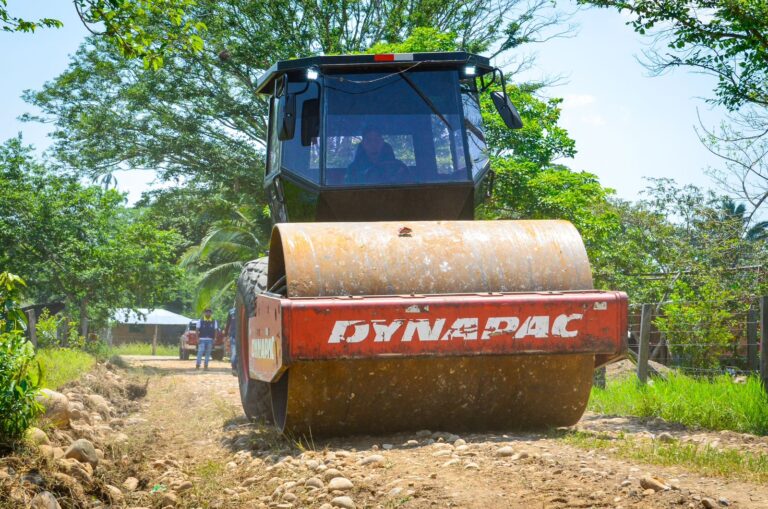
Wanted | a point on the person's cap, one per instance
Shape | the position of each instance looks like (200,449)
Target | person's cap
(207,310)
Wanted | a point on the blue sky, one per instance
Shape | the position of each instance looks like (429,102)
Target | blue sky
(627,125)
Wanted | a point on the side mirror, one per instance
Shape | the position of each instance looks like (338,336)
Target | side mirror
(287,109)
(507,110)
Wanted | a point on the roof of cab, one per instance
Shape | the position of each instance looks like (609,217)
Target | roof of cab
(372,63)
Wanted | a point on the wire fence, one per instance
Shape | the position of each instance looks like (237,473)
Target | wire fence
(701,339)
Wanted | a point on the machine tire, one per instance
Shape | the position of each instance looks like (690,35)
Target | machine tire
(183,354)
(254,394)
(218,355)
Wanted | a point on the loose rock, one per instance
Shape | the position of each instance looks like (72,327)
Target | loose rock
(375,460)
(56,407)
(130,484)
(505,451)
(169,498)
(314,482)
(343,502)
(37,436)
(665,437)
(114,493)
(340,483)
(83,451)
(44,500)
(331,473)
(653,483)
(99,404)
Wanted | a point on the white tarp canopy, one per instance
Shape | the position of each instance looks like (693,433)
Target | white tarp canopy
(156,317)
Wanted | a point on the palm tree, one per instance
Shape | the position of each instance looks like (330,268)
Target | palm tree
(226,247)
(730,210)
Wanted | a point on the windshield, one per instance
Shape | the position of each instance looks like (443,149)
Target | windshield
(393,129)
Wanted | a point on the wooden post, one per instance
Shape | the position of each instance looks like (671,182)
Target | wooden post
(32,326)
(764,341)
(598,379)
(645,338)
(154,342)
(753,362)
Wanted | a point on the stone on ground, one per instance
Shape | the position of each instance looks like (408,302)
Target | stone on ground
(44,500)
(83,451)
(340,483)
(343,502)
(56,407)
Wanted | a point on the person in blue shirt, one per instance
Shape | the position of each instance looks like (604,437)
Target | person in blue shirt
(206,330)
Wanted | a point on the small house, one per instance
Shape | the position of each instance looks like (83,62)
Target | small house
(128,326)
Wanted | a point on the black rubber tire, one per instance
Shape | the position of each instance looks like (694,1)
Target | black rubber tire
(254,394)
(183,354)
(218,355)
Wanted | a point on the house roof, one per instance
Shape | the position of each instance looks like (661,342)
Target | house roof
(145,317)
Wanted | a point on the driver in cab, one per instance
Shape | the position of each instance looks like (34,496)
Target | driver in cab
(374,160)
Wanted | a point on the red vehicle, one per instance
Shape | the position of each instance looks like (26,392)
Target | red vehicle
(189,340)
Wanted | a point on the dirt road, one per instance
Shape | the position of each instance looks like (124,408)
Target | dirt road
(190,444)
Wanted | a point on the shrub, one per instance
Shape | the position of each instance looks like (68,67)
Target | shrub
(699,324)
(98,348)
(47,328)
(18,406)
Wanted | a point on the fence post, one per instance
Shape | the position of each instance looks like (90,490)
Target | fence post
(32,326)
(764,341)
(645,338)
(598,379)
(753,363)
(154,342)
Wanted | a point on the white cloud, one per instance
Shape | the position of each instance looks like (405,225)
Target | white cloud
(578,100)
(594,119)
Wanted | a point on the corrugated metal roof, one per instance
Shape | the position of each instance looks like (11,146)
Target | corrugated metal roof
(145,317)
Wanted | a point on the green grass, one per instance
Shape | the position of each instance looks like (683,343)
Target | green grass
(717,403)
(728,463)
(62,365)
(144,349)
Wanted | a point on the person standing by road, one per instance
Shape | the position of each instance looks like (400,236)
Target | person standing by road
(206,330)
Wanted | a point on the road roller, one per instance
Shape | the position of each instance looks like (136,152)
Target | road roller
(383,305)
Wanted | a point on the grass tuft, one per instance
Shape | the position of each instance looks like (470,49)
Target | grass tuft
(62,365)
(727,463)
(144,349)
(717,403)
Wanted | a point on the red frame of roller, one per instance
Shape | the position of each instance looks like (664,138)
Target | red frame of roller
(288,330)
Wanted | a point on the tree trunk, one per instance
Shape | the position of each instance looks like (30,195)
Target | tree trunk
(84,317)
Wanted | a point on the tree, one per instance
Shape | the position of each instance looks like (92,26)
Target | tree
(682,236)
(146,29)
(222,253)
(742,146)
(726,38)
(199,117)
(79,243)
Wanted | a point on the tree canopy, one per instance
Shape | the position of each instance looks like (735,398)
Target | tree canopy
(727,38)
(150,30)
(79,243)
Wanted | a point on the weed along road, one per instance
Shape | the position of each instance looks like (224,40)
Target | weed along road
(189,445)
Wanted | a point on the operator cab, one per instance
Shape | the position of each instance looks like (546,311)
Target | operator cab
(378,137)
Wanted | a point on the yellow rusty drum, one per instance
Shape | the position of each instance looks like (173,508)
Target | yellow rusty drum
(439,393)
(428,257)
(436,393)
